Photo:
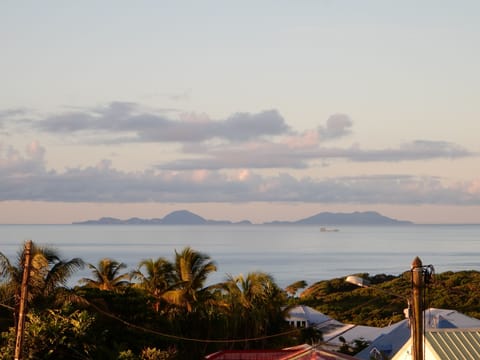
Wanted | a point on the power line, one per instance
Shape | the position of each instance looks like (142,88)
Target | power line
(176,337)
(7,307)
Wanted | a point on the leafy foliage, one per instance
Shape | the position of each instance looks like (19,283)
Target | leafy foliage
(254,305)
(159,279)
(46,283)
(293,288)
(107,275)
(168,312)
(354,347)
(53,335)
(191,270)
(148,354)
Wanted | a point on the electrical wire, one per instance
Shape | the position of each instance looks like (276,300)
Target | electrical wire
(176,337)
(7,307)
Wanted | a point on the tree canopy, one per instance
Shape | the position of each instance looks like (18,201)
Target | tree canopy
(164,309)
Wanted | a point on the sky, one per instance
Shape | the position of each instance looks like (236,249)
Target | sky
(259,110)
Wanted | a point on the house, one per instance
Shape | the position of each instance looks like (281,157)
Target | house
(446,344)
(393,338)
(305,316)
(348,334)
(334,332)
(302,352)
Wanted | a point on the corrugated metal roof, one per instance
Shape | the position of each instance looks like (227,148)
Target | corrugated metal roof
(302,312)
(455,344)
(388,343)
(397,335)
(435,319)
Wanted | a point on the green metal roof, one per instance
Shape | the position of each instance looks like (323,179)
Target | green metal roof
(455,344)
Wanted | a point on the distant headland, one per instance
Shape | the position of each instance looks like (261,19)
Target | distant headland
(185,217)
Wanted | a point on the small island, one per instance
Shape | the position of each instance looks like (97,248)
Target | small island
(324,219)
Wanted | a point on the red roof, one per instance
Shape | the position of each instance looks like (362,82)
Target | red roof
(253,354)
(286,354)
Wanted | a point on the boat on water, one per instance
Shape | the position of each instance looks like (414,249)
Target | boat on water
(325,229)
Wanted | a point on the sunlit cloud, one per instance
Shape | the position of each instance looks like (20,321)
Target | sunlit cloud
(35,150)
(219,161)
(15,165)
(24,177)
(243,175)
(242,140)
(309,138)
(199,176)
(473,187)
(291,154)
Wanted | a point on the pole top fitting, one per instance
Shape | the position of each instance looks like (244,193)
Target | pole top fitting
(416,263)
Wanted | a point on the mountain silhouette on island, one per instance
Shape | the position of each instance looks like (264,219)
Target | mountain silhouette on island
(185,217)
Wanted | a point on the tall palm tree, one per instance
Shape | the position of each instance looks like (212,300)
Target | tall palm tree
(257,288)
(48,276)
(255,304)
(159,278)
(191,270)
(107,275)
(190,303)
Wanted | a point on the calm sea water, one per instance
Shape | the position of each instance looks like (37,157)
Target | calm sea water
(289,253)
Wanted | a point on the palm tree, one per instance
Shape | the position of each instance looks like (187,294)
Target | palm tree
(47,281)
(159,278)
(191,304)
(191,270)
(107,275)
(255,304)
(293,288)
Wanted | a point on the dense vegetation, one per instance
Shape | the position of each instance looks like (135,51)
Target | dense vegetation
(384,302)
(163,309)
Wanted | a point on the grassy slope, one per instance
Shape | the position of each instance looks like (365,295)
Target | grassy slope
(367,306)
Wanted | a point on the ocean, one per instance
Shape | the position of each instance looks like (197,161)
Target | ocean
(288,253)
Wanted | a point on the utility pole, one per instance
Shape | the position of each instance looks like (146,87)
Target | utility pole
(417,288)
(23,301)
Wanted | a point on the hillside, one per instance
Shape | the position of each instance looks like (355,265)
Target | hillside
(180,217)
(368,306)
(355,218)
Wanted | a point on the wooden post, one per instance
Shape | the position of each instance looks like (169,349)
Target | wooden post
(417,288)
(23,301)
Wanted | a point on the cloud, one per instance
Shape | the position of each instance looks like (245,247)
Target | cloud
(24,177)
(246,126)
(35,150)
(117,117)
(11,113)
(415,150)
(9,116)
(259,155)
(14,165)
(241,141)
(298,153)
(338,125)
(126,122)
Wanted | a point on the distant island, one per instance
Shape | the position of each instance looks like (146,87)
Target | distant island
(185,217)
